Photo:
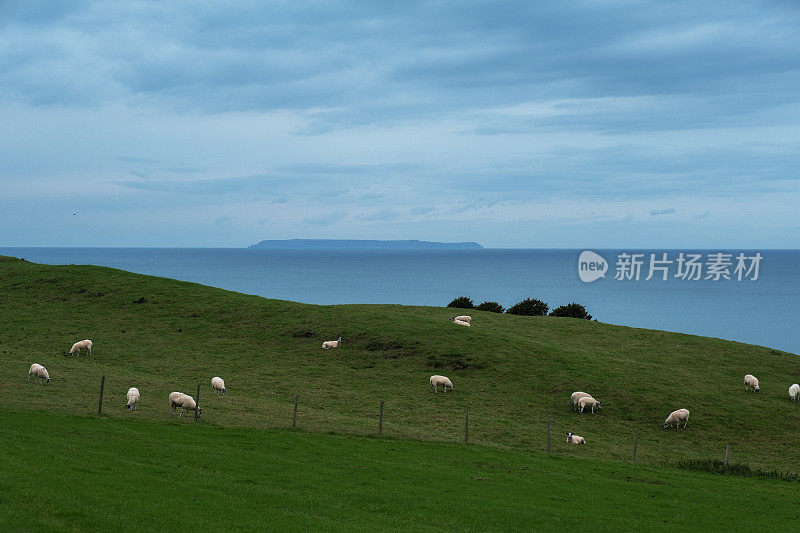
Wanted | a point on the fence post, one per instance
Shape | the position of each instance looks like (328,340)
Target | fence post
(466,427)
(197,403)
(100,405)
(380,423)
(548,436)
(635,438)
(727,454)
(294,416)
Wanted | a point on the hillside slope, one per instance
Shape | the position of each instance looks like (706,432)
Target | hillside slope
(192,476)
(514,373)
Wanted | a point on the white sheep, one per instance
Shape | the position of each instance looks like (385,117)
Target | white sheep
(218,384)
(455,320)
(750,382)
(185,402)
(676,417)
(38,371)
(133,398)
(85,344)
(794,392)
(443,381)
(588,401)
(577,395)
(462,318)
(575,439)
(327,345)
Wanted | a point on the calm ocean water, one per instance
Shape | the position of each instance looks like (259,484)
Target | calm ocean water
(762,312)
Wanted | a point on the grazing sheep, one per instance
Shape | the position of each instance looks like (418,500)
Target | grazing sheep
(577,395)
(133,398)
(218,384)
(750,382)
(440,380)
(575,439)
(794,392)
(676,417)
(462,318)
(81,345)
(185,402)
(455,320)
(38,371)
(327,345)
(588,401)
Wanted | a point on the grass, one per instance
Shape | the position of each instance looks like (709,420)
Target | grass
(514,373)
(64,471)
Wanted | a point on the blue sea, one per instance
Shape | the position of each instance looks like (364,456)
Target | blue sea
(762,311)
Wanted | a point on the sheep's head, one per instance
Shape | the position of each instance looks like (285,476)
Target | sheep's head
(223,391)
(47,381)
(599,405)
(128,406)
(199,412)
(666,423)
(756,388)
(452,319)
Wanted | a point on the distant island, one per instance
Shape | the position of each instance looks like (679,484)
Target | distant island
(352,244)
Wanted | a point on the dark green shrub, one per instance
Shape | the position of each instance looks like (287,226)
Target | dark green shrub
(572,310)
(529,307)
(493,307)
(462,302)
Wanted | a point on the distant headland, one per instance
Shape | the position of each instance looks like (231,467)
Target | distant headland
(353,244)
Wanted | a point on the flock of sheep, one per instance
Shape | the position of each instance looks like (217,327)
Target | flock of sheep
(580,400)
(176,399)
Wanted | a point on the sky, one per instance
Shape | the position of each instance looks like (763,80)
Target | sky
(595,124)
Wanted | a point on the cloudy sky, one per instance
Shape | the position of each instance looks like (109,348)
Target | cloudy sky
(514,124)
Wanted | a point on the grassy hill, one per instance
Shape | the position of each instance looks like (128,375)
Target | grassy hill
(90,473)
(514,373)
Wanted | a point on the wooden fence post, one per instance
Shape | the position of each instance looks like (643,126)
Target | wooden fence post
(100,405)
(380,423)
(294,416)
(466,427)
(548,436)
(635,439)
(727,454)
(197,403)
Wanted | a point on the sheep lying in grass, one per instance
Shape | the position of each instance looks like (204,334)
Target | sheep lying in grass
(462,318)
(575,439)
(588,401)
(218,384)
(133,398)
(185,402)
(455,320)
(676,417)
(750,382)
(85,344)
(440,380)
(577,395)
(38,371)
(794,392)
(327,345)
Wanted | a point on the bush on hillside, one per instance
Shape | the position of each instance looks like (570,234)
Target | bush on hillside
(572,310)
(492,307)
(462,302)
(529,307)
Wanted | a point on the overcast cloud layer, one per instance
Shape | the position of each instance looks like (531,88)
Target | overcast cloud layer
(588,124)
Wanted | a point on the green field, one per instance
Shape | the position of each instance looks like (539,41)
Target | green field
(513,373)
(68,472)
